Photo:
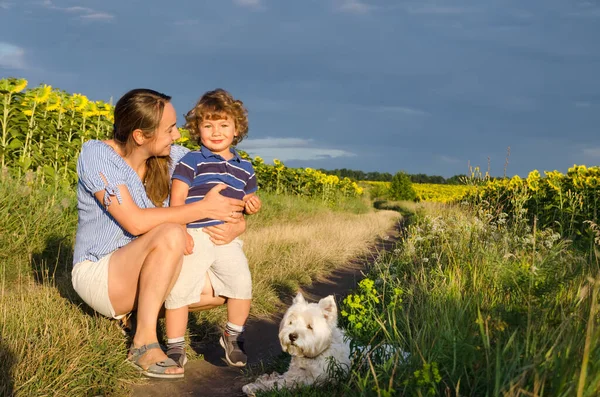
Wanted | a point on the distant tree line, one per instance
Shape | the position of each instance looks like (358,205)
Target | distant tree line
(387,177)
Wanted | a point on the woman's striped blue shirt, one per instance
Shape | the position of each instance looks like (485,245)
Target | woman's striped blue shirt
(98,233)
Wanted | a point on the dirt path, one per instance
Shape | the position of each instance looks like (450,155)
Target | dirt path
(212,377)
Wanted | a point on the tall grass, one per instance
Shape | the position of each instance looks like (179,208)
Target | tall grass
(52,344)
(483,309)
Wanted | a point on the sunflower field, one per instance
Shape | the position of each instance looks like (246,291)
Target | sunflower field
(567,202)
(437,193)
(43,128)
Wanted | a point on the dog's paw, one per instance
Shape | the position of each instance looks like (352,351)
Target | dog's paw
(250,389)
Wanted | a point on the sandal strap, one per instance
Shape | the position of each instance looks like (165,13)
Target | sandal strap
(137,352)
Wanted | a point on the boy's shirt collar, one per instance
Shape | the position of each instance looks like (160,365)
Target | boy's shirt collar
(207,153)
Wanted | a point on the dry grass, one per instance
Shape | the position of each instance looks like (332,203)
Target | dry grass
(284,256)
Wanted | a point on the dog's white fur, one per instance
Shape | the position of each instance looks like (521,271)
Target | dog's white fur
(309,332)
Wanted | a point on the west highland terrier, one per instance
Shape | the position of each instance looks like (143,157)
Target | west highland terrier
(309,332)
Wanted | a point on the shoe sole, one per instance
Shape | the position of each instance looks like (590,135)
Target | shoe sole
(238,364)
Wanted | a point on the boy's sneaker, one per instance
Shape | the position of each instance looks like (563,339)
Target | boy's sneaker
(235,354)
(177,354)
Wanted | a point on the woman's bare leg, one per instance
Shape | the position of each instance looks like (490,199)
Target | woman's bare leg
(142,274)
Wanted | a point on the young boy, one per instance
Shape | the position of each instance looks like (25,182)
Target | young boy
(219,122)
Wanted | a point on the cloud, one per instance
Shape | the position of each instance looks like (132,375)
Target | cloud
(593,152)
(97,16)
(394,110)
(449,159)
(276,142)
(5,5)
(11,56)
(84,13)
(249,3)
(286,149)
(439,10)
(353,6)
(78,9)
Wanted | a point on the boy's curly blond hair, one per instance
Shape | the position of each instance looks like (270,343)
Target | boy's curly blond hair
(216,105)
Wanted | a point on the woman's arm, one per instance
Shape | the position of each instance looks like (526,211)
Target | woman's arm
(136,220)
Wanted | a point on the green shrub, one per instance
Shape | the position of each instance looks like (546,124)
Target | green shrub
(401,188)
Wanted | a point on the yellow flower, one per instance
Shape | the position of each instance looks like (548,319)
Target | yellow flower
(42,94)
(90,110)
(53,102)
(554,179)
(516,182)
(20,86)
(592,181)
(533,180)
(79,102)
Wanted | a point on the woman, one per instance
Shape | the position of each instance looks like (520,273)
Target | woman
(129,245)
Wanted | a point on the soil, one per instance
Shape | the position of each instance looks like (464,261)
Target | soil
(213,377)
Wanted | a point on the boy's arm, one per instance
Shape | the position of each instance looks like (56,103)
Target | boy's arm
(252,202)
(179,192)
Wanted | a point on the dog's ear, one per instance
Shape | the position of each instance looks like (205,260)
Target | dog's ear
(299,298)
(329,309)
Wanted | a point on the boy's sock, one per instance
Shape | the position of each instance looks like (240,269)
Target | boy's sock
(176,342)
(233,329)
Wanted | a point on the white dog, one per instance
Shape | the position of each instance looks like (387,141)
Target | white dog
(309,332)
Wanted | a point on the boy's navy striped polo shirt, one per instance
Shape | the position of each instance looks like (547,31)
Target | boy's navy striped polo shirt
(201,170)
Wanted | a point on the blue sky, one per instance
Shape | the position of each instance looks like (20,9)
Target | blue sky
(424,86)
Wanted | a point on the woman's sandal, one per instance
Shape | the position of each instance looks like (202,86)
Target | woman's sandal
(156,370)
(177,354)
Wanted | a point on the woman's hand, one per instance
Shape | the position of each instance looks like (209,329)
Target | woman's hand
(226,232)
(216,206)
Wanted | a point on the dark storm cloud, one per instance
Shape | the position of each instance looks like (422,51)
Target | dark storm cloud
(424,86)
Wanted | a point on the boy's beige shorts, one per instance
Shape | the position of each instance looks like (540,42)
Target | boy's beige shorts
(226,266)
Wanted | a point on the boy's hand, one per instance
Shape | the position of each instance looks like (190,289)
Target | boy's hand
(189,244)
(252,204)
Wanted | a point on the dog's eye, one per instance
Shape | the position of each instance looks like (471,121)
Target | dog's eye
(309,326)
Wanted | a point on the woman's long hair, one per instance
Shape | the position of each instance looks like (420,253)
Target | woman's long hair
(143,109)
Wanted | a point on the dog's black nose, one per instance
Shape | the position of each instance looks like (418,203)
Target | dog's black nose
(293,337)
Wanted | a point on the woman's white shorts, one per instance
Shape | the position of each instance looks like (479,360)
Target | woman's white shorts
(90,281)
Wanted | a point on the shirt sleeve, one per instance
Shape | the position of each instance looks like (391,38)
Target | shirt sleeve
(251,185)
(185,170)
(177,153)
(98,169)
